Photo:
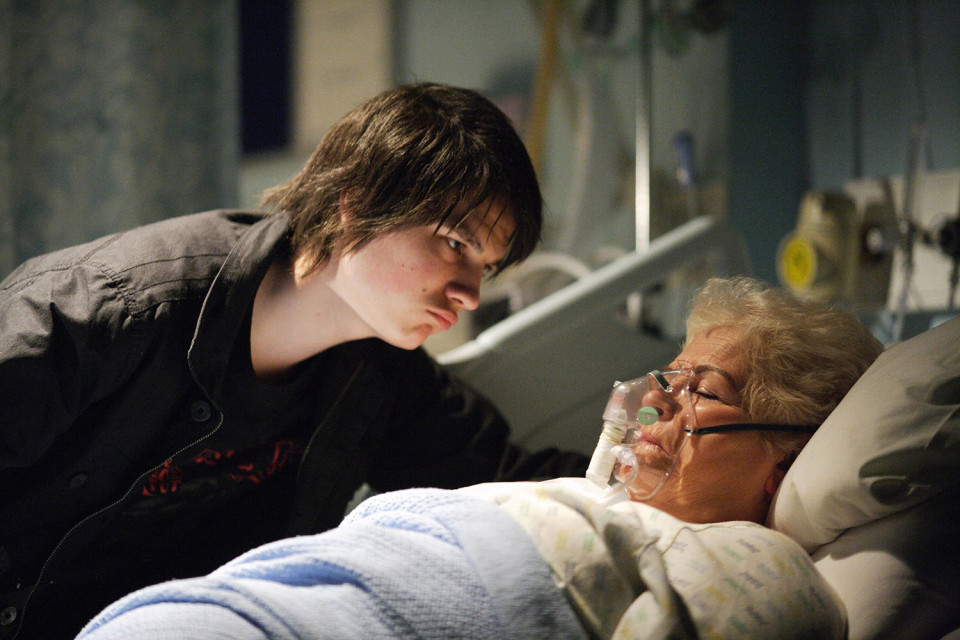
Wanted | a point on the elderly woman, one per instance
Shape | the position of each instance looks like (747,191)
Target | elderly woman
(759,372)
(678,552)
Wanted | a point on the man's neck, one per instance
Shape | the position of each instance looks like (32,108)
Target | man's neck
(296,316)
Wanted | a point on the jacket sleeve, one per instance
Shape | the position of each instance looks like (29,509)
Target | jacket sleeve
(445,434)
(59,352)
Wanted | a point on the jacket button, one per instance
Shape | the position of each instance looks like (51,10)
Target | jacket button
(7,616)
(200,411)
(78,481)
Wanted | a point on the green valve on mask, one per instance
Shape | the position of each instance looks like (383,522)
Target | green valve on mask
(647,415)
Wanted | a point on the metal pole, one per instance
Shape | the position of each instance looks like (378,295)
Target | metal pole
(644,86)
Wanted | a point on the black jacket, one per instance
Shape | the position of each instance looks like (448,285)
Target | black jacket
(115,359)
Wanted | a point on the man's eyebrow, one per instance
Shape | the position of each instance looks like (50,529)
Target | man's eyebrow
(469,237)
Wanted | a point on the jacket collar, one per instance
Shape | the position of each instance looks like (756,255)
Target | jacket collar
(230,299)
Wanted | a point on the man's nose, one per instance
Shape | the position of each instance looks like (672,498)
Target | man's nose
(465,290)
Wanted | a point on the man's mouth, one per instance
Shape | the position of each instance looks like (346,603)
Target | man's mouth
(445,319)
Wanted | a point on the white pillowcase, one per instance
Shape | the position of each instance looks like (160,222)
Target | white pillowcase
(899,577)
(893,442)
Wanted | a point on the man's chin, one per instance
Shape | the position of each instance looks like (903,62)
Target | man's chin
(411,339)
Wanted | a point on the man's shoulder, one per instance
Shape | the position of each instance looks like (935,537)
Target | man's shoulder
(199,234)
(194,234)
(150,263)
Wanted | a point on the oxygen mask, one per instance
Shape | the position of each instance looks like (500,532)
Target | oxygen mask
(645,424)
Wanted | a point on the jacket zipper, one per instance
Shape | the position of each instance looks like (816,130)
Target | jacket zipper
(136,483)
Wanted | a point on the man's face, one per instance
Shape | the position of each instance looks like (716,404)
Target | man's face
(408,284)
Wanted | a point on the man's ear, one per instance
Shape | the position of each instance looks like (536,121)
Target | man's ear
(344,206)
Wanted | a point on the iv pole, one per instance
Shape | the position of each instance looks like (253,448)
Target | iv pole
(643,140)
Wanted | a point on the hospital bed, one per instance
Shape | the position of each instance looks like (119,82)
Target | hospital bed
(872,506)
(874,497)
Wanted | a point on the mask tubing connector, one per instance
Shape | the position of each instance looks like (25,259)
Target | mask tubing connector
(627,459)
(605,455)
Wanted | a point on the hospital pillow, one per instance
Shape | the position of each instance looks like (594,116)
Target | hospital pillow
(874,495)
(899,577)
(893,442)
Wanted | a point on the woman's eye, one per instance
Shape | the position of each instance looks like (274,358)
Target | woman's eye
(454,244)
(703,391)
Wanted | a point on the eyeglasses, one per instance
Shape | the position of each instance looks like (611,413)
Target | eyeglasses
(682,381)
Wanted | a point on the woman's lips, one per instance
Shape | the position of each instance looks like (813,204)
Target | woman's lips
(649,448)
(651,440)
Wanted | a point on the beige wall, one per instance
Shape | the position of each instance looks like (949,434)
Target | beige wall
(342,56)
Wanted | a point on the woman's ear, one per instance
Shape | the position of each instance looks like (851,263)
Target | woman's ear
(778,472)
(773,480)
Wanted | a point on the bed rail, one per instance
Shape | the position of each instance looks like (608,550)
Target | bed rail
(550,366)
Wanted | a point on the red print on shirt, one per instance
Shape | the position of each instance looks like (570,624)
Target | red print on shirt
(252,466)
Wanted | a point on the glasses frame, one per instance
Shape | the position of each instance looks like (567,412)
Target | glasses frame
(751,426)
(660,378)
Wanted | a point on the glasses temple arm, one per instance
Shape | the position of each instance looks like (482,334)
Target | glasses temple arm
(752,427)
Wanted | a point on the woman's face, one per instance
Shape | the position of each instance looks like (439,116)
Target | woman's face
(718,476)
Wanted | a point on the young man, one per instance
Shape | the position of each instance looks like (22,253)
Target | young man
(177,394)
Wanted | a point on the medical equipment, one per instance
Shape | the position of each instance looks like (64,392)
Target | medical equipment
(630,427)
(820,258)
(637,450)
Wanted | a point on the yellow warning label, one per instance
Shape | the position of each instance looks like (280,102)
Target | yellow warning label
(798,263)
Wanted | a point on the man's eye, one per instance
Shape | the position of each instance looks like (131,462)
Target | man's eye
(454,244)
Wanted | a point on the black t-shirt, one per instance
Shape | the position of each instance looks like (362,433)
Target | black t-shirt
(234,492)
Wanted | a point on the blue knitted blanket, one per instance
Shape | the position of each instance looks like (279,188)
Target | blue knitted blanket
(422,563)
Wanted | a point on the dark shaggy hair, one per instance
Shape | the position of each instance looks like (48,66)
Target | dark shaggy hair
(423,154)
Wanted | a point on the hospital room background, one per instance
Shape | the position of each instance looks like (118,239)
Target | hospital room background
(813,144)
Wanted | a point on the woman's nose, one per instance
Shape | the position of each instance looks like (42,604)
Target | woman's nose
(666,404)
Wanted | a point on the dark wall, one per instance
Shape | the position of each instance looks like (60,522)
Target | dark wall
(265,59)
(825,91)
(769,169)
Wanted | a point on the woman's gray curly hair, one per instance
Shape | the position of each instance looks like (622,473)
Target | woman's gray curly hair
(801,356)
